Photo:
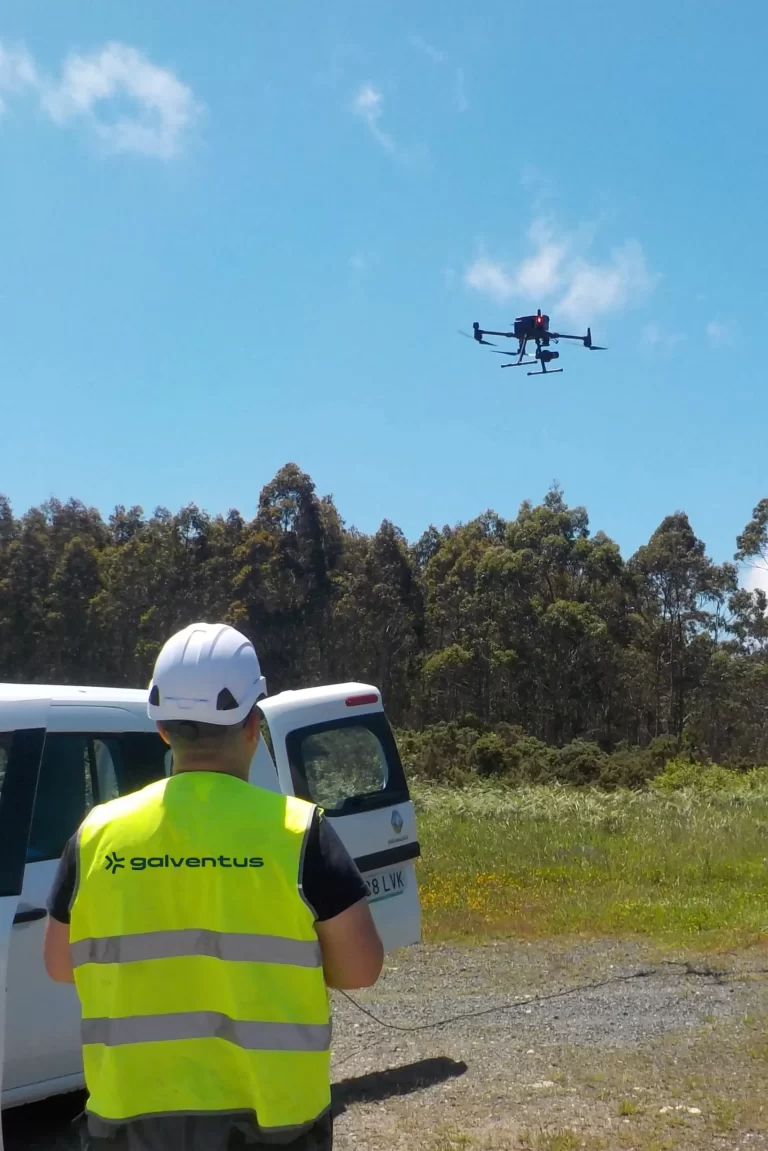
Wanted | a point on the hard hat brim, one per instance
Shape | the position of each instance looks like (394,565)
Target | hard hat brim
(204,710)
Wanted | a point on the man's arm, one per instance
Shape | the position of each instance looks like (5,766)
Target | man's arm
(56,953)
(352,950)
(353,954)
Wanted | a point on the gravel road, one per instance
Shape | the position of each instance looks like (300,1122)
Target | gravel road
(607,1045)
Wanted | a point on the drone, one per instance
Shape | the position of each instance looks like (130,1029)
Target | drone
(533,329)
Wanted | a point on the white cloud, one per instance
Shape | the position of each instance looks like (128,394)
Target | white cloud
(368,102)
(462,103)
(557,266)
(17,72)
(541,273)
(161,107)
(439,57)
(435,55)
(658,337)
(755,576)
(595,289)
(489,277)
(722,335)
(369,107)
(362,263)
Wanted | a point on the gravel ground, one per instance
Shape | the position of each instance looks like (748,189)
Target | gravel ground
(646,1052)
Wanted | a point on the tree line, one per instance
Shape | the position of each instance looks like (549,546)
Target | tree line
(530,628)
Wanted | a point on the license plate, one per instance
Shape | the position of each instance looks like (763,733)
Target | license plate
(385,884)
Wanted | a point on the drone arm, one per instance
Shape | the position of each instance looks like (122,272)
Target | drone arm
(564,336)
(508,335)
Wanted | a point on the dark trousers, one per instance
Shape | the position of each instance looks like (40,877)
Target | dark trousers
(197,1133)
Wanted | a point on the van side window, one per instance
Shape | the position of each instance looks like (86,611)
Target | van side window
(64,793)
(78,771)
(137,758)
(5,746)
(106,775)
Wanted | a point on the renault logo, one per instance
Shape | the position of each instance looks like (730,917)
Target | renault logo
(397,822)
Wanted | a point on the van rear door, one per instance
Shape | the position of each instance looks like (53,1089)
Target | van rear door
(334,747)
(22,738)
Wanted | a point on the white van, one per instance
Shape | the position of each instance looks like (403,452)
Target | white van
(331,745)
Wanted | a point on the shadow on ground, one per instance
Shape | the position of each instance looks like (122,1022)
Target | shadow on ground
(49,1125)
(381,1085)
(43,1125)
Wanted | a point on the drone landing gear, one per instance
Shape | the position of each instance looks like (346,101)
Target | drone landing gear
(547,372)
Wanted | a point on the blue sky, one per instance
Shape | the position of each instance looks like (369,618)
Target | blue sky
(233,236)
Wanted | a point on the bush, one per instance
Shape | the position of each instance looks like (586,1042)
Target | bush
(458,752)
(581,762)
(630,767)
(440,753)
(490,755)
(531,761)
(660,750)
(679,774)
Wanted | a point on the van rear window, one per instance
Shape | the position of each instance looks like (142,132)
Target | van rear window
(347,765)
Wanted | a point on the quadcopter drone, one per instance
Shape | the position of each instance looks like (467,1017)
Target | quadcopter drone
(535,329)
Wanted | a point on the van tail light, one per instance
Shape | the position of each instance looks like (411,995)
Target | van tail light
(360,700)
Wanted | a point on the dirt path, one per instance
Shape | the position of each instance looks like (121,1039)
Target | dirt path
(609,1046)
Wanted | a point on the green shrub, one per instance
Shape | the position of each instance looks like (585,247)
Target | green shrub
(629,768)
(581,762)
(531,761)
(439,753)
(459,752)
(490,755)
(679,775)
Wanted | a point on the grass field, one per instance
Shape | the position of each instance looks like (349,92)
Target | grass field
(682,867)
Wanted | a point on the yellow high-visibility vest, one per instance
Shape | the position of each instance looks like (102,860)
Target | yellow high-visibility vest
(196,958)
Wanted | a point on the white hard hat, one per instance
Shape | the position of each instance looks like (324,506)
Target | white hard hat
(207,673)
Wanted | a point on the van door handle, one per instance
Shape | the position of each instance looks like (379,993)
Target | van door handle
(29,915)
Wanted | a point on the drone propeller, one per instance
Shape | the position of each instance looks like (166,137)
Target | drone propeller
(488,342)
(590,346)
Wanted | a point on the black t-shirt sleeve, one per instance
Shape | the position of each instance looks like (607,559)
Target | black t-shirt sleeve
(330,877)
(63,886)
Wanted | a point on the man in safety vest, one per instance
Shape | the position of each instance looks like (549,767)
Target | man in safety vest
(202,921)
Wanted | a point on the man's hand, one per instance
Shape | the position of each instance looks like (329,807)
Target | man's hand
(353,954)
(56,953)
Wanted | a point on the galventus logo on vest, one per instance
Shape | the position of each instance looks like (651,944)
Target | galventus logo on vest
(114,862)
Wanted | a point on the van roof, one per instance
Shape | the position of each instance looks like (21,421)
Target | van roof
(67,694)
(64,694)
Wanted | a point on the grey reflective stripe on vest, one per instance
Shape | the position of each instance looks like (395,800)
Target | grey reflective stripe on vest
(250,1035)
(230,945)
